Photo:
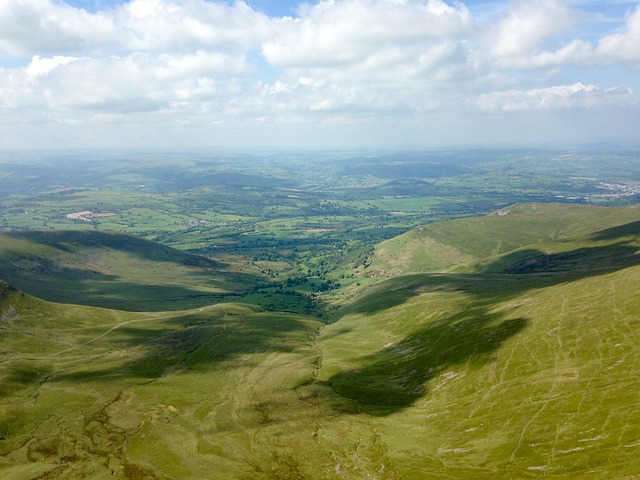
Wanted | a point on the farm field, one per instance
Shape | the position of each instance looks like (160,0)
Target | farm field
(324,334)
(315,211)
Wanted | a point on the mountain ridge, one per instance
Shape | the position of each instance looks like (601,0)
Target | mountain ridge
(445,245)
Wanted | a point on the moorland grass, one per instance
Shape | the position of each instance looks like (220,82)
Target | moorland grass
(99,393)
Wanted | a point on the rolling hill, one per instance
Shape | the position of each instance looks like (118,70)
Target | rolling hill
(440,246)
(516,356)
(115,270)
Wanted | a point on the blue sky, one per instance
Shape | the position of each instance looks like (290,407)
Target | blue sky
(329,73)
(274,8)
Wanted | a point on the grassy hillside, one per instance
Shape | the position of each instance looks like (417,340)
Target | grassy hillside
(526,367)
(494,376)
(439,246)
(522,364)
(95,393)
(603,250)
(114,270)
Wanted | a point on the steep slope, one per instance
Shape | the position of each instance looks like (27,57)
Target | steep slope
(114,270)
(439,246)
(602,250)
(528,366)
(95,393)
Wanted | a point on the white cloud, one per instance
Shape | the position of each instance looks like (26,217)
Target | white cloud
(41,66)
(624,45)
(374,55)
(201,64)
(577,95)
(43,26)
(138,82)
(354,32)
(169,25)
(577,52)
(40,26)
(525,26)
(106,118)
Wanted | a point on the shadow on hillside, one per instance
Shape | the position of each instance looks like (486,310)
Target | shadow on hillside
(399,375)
(395,377)
(192,342)
(70,241)
(504,277)
(170,279)
(628,229)
(91,288)
(134,297)
(579,262)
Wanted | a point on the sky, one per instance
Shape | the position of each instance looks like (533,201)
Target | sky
(319,74)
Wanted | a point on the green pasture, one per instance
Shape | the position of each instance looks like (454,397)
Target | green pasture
(408,206)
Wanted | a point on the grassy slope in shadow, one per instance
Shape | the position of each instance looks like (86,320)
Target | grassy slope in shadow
(397,375)
(115,270)
(441,245)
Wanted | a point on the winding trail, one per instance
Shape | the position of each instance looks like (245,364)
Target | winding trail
(115,327)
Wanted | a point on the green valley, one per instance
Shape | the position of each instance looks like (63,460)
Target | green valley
(381,317)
